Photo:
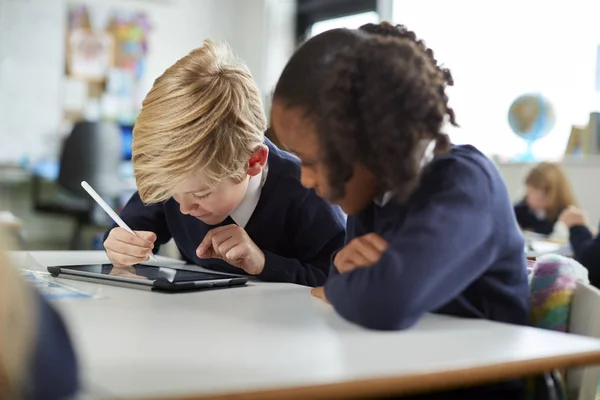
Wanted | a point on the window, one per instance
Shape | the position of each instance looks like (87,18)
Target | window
(316,16)
(500,50)
(349,21)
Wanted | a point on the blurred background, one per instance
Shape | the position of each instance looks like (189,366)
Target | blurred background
(73,75)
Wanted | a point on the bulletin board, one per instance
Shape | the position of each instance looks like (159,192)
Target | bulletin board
(105,62)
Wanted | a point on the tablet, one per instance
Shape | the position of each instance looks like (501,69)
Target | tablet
(148,277)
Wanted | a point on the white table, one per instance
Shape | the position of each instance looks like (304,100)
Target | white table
(275,341)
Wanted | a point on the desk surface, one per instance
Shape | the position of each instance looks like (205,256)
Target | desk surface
(275,341)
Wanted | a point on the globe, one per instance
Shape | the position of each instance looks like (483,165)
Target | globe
(531,117)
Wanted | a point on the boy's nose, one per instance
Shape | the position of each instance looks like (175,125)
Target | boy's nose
(187,207)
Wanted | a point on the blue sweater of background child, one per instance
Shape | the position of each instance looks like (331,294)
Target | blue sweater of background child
(586,249)
(295,229)
(455,248)
(529,221)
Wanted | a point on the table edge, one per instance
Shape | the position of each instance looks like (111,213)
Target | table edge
(411,384)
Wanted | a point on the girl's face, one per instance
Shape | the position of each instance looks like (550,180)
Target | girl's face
(298,135)
(537,199)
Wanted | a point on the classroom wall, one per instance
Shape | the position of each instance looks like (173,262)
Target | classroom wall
(32,55)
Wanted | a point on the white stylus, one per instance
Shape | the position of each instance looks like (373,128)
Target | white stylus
(115,217)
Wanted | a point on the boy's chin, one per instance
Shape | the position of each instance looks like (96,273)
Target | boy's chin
(213,219)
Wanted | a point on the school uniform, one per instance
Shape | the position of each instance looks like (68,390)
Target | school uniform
(296,230)
(533,221)
(53,367)
(586,250)
(454,248)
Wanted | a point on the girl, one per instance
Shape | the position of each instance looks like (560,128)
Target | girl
(430,226)
(548,194)
(36,357)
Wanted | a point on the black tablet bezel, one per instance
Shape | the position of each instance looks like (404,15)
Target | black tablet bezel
(159,284)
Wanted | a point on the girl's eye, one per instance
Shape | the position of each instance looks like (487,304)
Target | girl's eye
(200,197)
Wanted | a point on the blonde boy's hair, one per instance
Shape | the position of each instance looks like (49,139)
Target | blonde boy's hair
(17,328)
(203,115)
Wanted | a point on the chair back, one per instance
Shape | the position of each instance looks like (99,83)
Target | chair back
(584,319)
(93,152)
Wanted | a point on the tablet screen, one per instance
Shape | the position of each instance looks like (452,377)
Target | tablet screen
(146,272)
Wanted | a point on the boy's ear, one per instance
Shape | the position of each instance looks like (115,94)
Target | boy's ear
(258,160)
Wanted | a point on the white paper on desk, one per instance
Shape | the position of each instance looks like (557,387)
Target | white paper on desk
(8,217)
(52,289)
(540,246)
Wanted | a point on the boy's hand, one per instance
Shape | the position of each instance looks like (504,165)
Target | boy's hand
(573,216)
(124,249)
(233,245)
(362,251)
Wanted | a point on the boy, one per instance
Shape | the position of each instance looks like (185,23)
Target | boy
(208,178)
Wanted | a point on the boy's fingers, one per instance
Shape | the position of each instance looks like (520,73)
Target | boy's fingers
(207,242)
(125,237)
(124,259)
(220,238)
(227,245)
(149,236)
(205,251)
(127,249)
(207,254)
(235,256)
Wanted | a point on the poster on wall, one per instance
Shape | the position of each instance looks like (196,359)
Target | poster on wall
(90,54)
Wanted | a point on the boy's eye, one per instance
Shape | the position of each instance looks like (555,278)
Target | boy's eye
(200,197)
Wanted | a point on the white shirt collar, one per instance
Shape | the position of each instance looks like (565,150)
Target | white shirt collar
(382,200)
(540,214)
(241,215)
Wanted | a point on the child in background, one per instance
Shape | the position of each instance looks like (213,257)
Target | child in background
(209,179)
(584,242)
(430,225)
(548,194)
(36,357)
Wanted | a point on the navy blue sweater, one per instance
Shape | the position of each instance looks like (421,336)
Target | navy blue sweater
(528,221)
(297,231)
(455,248)
(53,368)
(586,249)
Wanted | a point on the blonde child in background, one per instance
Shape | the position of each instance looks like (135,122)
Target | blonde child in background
(37,360)
(548,194)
